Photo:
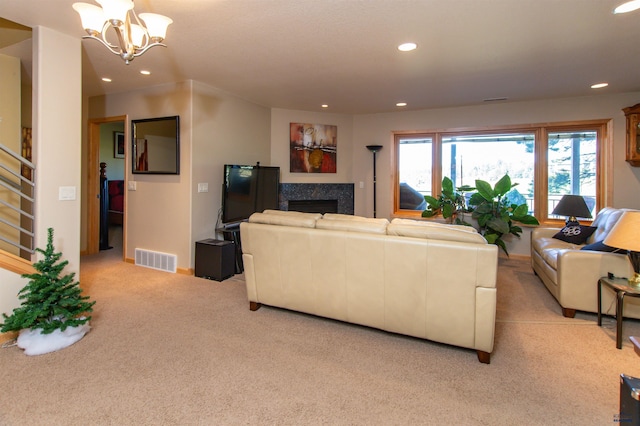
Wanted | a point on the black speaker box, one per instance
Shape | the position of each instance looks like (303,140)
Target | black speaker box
(215,259)
(629,400)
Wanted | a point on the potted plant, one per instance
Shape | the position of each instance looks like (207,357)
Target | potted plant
(53,312)
(450,204)
(496,214)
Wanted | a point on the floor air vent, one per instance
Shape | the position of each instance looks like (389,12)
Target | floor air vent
(156,260)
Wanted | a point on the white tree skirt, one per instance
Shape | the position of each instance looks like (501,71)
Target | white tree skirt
(35,343)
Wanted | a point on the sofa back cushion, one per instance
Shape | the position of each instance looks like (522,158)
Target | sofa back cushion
(340,216)
(423,223)
(302,220)
(435,231)
(291,213)
(604,221)
(367,225)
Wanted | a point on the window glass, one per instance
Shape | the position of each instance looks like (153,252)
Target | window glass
(489,157)
(547,161)
(415,164)
(572,167)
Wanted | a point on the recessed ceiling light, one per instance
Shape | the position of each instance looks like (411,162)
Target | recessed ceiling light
(629,6)
(145,72)
(406,47)
(401,104)
(107,79)
(599,85)
(325,106)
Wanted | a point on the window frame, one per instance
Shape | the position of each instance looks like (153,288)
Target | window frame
(541,131)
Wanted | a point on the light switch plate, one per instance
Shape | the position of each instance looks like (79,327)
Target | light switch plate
(203,187)
(132,185)
(67,193)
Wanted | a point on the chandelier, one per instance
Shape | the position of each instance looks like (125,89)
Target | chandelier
(133,38)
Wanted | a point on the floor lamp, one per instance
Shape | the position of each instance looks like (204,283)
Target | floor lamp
(374,149)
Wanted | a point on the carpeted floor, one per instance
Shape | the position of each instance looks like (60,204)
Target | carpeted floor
(169,349)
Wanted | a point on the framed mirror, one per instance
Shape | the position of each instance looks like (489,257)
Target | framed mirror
(155,145)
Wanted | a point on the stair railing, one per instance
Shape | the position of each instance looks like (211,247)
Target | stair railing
(18,183)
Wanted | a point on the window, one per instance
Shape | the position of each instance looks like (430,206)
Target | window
(547,162)
(572,167)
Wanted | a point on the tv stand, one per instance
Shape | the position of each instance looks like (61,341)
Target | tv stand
(231,232)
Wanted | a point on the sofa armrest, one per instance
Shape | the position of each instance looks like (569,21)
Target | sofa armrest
(544,232)
(579,272)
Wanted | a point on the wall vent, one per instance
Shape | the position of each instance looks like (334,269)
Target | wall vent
(156,260)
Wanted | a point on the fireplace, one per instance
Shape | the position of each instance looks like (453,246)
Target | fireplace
(317,197)
(313,206)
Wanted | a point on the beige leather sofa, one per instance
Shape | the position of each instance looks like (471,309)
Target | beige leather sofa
(572,274)
(432,281)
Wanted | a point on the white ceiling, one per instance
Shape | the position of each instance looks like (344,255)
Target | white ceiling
(299,54)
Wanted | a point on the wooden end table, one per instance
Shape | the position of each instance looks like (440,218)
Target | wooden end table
(622,288)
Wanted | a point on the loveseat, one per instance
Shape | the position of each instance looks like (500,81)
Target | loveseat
(570,269)
(431,281)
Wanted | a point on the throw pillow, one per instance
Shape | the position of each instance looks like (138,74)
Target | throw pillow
(600,246)
(575,233)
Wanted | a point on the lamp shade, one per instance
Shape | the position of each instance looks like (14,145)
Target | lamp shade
(625,234)
(116,10)
(156,25)
(91,16)
(137,35)
(572,206)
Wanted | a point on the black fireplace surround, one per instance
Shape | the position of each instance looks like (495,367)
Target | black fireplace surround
(325,194)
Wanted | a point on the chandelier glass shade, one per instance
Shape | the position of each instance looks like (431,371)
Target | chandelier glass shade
(133,36)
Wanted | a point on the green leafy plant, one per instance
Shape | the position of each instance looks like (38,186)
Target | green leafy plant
(49,301)
(449,204)
(496,214)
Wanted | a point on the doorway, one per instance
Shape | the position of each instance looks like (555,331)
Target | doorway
(102,147)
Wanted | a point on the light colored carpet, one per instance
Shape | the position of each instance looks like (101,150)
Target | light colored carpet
(169,349)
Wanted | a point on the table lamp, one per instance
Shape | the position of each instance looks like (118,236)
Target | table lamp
(572,206)
(625,235)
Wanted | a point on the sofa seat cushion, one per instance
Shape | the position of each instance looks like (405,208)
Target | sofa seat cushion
(550,248)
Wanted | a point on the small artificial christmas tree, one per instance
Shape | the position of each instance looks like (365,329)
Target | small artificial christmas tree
(51,303)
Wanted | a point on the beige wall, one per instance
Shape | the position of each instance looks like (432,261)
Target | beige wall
(56,146)
(10,137)
(166,213)
(226,130)
(355,132)
(157,212)
(280,119)
(378,128)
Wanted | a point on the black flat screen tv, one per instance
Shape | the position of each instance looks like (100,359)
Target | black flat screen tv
(249,189)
